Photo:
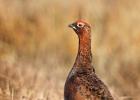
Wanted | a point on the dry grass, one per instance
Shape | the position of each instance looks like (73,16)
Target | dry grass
(37,49)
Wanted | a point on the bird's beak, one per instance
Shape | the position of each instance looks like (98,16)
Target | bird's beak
(72,26)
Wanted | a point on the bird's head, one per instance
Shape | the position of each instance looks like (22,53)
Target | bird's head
(80,27)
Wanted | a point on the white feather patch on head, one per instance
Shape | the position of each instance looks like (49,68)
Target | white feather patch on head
(80,24)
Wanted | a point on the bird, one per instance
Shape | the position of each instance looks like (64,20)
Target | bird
(82,82)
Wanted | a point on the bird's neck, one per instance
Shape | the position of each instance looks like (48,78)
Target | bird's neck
(84,56)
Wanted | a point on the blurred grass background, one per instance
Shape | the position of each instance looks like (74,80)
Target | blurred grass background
(37,49)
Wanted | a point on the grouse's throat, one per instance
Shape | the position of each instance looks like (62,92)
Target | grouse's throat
(84,56)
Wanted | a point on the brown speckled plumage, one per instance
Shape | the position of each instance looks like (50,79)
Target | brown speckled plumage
(82,83)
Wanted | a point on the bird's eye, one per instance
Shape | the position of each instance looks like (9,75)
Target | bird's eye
(80,25)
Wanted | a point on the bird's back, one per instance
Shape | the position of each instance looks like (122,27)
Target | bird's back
(83,84)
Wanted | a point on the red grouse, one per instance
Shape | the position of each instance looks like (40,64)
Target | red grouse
(82,83)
